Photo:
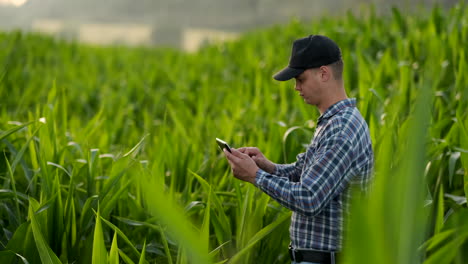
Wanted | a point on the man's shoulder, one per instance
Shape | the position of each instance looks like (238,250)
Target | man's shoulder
(347,123)
(347,116)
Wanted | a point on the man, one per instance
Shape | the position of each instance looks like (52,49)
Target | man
(317,186)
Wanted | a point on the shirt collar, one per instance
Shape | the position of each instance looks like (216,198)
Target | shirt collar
(337,107)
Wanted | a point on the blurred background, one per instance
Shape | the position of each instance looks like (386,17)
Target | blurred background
(183,24)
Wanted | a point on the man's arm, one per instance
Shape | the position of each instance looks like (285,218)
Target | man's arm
(319,182)
(291,171)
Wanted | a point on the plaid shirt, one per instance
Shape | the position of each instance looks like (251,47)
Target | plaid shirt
(316,186)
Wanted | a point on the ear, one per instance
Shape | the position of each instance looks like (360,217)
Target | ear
(325,73)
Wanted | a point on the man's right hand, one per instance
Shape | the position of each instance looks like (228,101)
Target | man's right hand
(262,162)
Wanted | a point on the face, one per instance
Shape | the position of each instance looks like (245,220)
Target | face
(308,85)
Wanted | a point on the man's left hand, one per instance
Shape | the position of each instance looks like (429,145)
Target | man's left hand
(243,166)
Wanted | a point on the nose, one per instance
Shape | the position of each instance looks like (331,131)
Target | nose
(297,87)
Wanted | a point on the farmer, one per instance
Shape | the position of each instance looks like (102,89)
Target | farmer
(317,186)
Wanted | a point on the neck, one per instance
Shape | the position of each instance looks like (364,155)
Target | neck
(333,97)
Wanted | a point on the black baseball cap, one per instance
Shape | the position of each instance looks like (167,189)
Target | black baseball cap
(309,52)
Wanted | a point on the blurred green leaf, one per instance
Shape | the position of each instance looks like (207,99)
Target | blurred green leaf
(5,134)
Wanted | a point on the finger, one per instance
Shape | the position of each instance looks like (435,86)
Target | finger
(243,149)
(231,156)
(247,151)
(251,151)
(239,154)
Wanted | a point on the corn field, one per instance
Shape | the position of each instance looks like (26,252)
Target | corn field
(109,153)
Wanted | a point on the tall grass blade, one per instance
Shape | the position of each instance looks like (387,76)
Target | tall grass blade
(45,252)
(143,255)
(7,253)
(5,134)
(99,246)
(123,236)
(13,186)
(125,258)
(114,251)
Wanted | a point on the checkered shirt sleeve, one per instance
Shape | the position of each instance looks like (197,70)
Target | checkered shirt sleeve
(325,177)
(291,171)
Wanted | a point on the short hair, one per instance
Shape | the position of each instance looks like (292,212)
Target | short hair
(337,69)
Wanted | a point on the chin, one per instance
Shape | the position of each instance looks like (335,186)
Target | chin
(309,102)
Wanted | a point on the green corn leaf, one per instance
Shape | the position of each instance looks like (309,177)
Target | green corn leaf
(71,227)
(20,153)
(452,161)
(4,256)
(464,145)
(152,226)
(123,236)
(47,204)
(10,131)
(224,230)
(166,247)
(14,192)
(112,182)
(56,217)
(259,236)
(439,221)
(136,147)
(45,252)
(438,239)
(108,204)
(11,194)
(114,251)
(138,223)
(125,257)
(446,253)
(205,228)
(215,251)
(21,242)
(19,236)
(143,255)
(171,216)
(86,211)
(59,167)
(460,200)
(99,246)
(180,126)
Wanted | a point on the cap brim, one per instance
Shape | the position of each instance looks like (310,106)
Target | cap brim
(287,74)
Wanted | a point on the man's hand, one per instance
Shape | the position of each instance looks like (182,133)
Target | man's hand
(243,167)
(259,158)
